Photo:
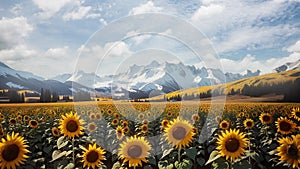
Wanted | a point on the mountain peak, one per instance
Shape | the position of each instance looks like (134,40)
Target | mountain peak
(4,65)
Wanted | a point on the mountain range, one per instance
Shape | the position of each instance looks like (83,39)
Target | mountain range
(138,81)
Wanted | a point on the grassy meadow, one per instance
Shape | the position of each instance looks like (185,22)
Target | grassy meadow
(149,135)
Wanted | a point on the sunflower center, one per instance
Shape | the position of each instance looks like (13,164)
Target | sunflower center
(179,133)
(297,113)
(72,126)
(224,125)
(92,156)
(134,151)
(33,123)
(293,152)
(249,123)
(92,127)
(266,118)
(10,152)
(232,145)
(285,126)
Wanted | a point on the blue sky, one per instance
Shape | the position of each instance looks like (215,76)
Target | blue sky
(46,37)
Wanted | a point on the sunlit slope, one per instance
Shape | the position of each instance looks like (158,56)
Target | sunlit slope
(285,83)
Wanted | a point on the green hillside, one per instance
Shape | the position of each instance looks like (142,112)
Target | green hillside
(283,83)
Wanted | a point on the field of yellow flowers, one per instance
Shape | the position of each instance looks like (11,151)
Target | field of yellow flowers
(123,135)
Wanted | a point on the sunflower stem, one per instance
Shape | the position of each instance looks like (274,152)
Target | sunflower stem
(249,145)
(230,164)
(73,150)
(179,154)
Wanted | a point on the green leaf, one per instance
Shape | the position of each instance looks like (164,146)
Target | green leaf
(61,143)
(69,166)
(200,161)
(220,163)
(117,165)
(185,164)
(57,155)
(191,153)
(147,167)
(214,155)
(242,165)
(165,165)
(166,152)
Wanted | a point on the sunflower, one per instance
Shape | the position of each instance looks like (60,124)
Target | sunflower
(92,116)
(92,127)
(289,151)
(2,117)
(26,118)
(195,118)
(115,122)
(93,156)
(98,116)
(19,118)
(145,121)
(224,125)
(285,126)
(144,128)
(55,132)
(248,123)
(33,124)
(141,116)
(119,132)
(296,113)
(125,123)
(179,133)
(12,121)
(116,115)
(254,114)
(135,150)
(232,143)
(13,151)
(71,125)
(126,129)
(218,119)
(165,123)
(266,118)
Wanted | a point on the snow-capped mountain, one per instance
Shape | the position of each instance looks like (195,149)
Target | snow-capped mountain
(138,81)
(6,71)
(288,66)
(14,79)
(164,78)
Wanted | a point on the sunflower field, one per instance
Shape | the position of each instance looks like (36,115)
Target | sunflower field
(122,135)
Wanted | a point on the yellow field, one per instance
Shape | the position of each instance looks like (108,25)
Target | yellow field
(150,135)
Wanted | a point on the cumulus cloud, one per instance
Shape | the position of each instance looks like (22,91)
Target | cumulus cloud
(239,24)
(13,30)
(145,8)
(49,8)
(249,62)
(17,53)
(80,13)
(295,47)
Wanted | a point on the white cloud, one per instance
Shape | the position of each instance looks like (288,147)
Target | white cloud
(49,8)
(251,63)
(17,53)
(56,53)
(145,8)
(295,47)
(80,13)
(237,24)
(206,12)
(103,22)
(13,30)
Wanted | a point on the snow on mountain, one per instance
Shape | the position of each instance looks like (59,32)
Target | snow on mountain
(6,70)
(288,66)
(85,79)
(13,85)
(62,78)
